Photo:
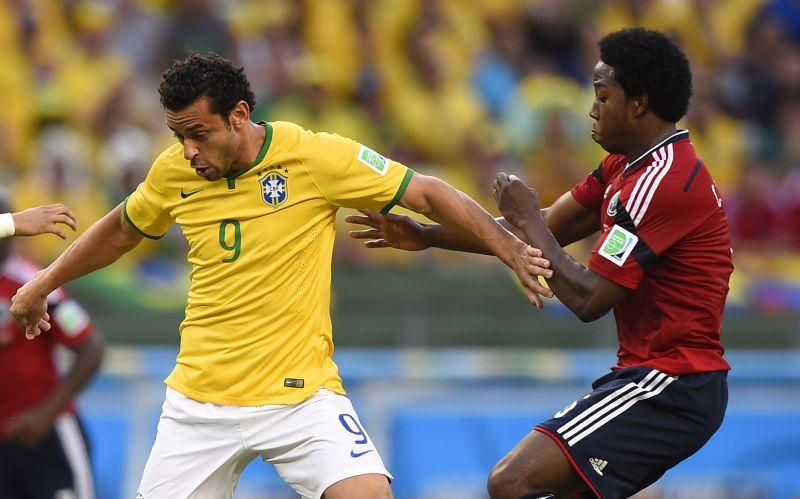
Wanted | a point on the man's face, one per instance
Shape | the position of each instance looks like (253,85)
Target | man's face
(209,142)
(610,110)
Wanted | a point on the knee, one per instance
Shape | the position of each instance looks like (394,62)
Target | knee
(505,483)
(501,482)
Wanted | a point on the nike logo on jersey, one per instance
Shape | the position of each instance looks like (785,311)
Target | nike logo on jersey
(185,195)
(355,454)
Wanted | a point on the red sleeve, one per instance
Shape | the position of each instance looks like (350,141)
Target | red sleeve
(71,325)
(648,223)
(589,193)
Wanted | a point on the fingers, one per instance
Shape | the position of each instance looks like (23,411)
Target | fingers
(532,251)
(365,234)
(539,268)
(358,220)
(372,215)
(378,243)
(55,230)
(65,219)
(32,331)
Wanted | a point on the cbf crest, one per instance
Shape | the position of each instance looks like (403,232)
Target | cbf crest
(274,188)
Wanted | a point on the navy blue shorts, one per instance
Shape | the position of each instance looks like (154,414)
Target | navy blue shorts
(635,425)
(57,467)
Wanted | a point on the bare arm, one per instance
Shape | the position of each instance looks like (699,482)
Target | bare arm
(567,219)
(30,426)
(587,294)
(101,245)
(462,216)
(40,220)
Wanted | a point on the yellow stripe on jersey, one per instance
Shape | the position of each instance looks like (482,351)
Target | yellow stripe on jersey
(260,246)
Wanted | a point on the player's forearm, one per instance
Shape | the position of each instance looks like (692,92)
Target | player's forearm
(437,236)
(101,245)
(573,284)
(88,357)
(469,227)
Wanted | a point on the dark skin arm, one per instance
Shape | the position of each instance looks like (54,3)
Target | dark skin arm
(587,294)
(567,219)
(29,427)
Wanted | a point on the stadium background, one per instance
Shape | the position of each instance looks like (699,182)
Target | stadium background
(446,362)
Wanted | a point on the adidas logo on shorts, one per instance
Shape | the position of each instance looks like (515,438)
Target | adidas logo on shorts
(598,464)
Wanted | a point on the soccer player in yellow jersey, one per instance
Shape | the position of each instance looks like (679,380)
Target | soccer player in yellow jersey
(257,203)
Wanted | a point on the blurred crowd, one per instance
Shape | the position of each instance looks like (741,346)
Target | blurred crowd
(460,89)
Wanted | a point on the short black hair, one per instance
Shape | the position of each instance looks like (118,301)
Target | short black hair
(205,75)
(649,62)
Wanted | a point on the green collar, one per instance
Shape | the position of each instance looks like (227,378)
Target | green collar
(261,154)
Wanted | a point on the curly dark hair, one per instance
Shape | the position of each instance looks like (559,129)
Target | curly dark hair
(205,75)
(649,62)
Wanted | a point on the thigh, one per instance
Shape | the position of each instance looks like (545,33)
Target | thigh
(316,444)
(198,452)
(628,432)
(369,486)
(535,467)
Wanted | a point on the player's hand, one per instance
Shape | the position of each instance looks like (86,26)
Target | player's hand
(29,308)
(389,231)
(28,428)
(529,264)
(515,200)
(43,219)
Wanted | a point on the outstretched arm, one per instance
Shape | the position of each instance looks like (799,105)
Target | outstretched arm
(587,294)
(566,219)
(464,217)
(101,245)
(38,220)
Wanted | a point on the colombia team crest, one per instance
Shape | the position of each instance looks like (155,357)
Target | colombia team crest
(274,188)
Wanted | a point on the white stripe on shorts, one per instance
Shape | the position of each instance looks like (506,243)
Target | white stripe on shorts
(613,405)
(78,458)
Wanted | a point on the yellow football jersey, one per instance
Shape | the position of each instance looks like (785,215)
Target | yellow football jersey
(257,328)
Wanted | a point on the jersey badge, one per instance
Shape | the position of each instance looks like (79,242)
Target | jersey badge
(618,245)
(612,205)
(274,188)
(373,160)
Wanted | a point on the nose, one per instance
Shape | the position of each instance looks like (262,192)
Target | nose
(594,112)
(190,150)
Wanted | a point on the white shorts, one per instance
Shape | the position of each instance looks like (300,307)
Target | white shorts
(201,449)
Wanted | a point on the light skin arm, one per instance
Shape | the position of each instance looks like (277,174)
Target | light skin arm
(29,427)
(587,294)
(567,219)
(101,245)
(461,215)
(44,219)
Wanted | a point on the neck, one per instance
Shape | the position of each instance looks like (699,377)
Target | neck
(249,147)
(648,140)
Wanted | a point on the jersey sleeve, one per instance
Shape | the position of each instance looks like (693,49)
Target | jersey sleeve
(647,223)
(352,175)
(70,324)
(589,193)
(144,208)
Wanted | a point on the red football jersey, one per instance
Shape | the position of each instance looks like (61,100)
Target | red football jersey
(664,236)
(28,367)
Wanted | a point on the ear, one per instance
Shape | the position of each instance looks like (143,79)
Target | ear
(640,104)
(240,114)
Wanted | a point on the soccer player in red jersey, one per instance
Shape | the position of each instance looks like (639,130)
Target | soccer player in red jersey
(43,452)
(662,263)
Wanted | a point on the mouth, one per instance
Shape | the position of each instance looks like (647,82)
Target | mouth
(202,171)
